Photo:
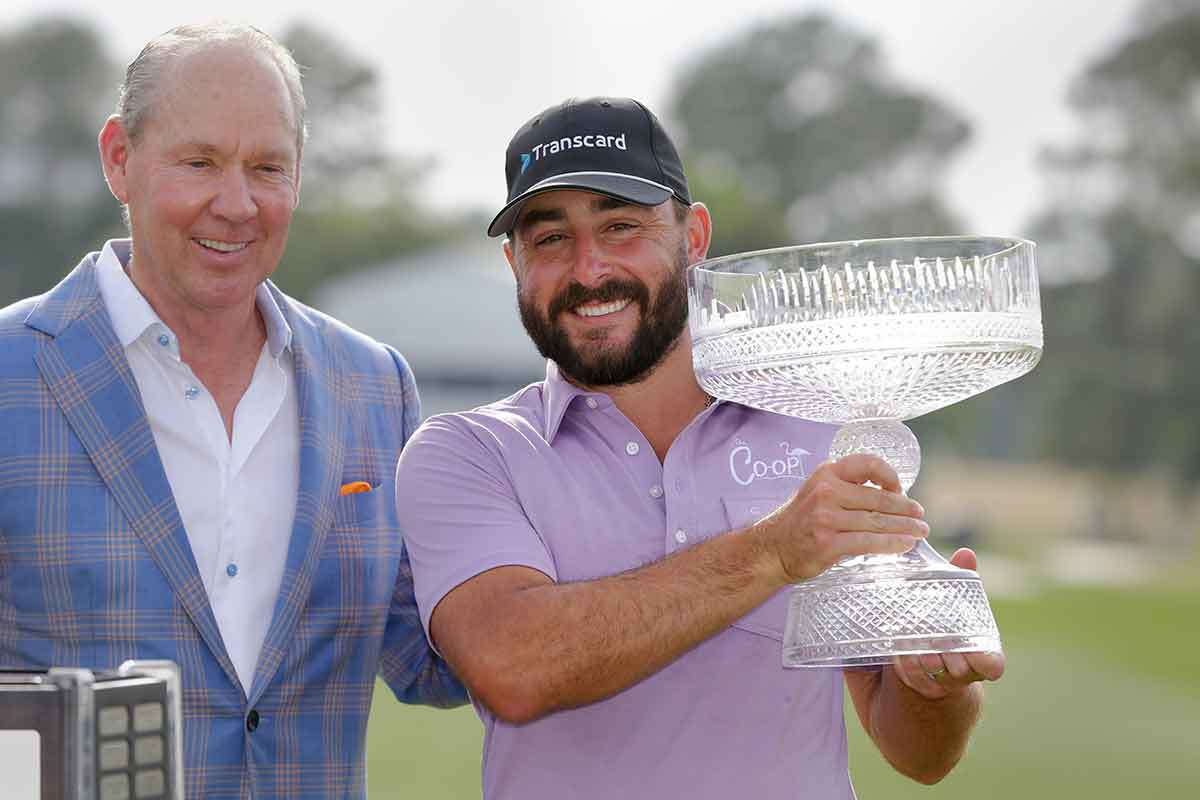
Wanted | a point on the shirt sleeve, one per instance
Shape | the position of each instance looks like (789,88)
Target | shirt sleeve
(458,511)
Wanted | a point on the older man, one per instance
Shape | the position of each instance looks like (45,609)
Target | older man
(197,467)
(610,593)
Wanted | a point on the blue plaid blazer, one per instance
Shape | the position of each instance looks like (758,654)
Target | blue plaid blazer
(95,566)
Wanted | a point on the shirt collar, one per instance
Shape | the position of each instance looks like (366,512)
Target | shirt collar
(559,392)
(132,314)
(557,397)
(279,333)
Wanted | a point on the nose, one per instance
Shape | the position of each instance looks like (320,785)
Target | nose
(234,200)
(591,266)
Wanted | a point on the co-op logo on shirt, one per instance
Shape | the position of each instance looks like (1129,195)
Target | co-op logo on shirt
(746,469)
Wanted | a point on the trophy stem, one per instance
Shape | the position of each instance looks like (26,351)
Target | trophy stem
(895,443)
(890,439)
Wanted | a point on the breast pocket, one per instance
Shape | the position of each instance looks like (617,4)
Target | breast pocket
(362,550)
(362,508)
(768,618)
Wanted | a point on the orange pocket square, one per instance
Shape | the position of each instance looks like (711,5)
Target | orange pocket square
(355,487)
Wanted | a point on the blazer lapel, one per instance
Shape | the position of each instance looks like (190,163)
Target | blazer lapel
(85,369)
(322,440)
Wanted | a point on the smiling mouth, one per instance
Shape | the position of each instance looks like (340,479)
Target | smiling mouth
(222,247)
(601,309)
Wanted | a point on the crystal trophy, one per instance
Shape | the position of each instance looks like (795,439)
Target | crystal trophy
(865,334)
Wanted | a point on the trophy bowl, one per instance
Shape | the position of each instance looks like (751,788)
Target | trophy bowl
(864,334)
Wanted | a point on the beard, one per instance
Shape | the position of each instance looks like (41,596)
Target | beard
(657,333)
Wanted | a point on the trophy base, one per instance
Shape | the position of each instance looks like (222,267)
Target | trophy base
(867,610)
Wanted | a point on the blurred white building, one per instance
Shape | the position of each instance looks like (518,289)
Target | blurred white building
(452,312)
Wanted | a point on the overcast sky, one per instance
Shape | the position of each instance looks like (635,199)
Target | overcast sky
(459,77)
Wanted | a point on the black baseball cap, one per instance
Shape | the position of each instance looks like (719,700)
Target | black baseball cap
(610,145)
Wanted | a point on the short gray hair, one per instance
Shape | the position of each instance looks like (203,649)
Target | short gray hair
(139,90)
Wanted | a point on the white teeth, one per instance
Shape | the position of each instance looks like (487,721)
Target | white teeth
(601,310)
(224,247)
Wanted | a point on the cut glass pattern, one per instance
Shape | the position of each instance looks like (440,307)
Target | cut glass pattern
(864,334)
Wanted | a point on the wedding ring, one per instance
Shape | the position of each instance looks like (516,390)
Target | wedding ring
(933,676)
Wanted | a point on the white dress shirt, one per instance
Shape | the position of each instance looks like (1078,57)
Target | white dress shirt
(237,498)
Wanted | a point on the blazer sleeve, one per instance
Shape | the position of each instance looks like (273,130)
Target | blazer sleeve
(409,666)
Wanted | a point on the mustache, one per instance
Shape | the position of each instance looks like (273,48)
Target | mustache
(576,294)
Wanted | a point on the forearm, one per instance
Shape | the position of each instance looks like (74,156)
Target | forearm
(555,646)
(922,738)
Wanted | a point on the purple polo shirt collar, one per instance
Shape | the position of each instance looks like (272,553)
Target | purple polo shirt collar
(557,398)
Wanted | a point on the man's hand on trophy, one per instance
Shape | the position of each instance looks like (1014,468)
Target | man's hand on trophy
(834,515)
(938,675)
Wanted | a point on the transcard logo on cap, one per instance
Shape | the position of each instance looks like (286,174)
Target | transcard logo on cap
(570,143)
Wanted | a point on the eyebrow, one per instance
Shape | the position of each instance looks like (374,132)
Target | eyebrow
(208,149)
(606,203)
(600,203)
(195,144)
(536,215)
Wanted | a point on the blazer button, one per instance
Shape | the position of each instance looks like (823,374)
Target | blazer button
(252,720)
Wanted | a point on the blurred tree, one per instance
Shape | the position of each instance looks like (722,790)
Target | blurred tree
(357,201)
(1121,337)
(58,85)
(794,132)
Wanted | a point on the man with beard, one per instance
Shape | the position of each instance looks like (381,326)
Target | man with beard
(602,557)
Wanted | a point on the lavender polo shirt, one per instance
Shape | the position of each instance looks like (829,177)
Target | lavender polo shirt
(557,479)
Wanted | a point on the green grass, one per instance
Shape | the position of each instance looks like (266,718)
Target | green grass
(1152,632)
(421,753)
(1101,700)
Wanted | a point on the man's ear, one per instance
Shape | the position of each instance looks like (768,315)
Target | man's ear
(699,232)
(508,253)
(296,199)
(114,157)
